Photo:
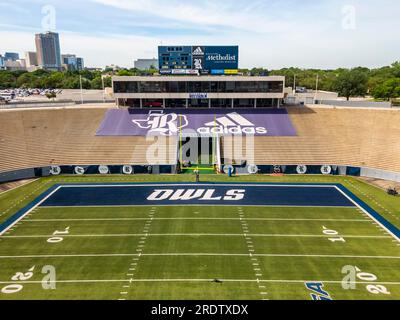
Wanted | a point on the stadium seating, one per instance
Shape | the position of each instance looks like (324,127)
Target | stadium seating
(326,135)
(34,138)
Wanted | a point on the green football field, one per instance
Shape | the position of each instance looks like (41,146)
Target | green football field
(198,252)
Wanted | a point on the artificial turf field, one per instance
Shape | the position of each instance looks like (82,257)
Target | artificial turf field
(177,252)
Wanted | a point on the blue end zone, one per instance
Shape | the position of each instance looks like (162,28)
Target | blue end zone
(255,194)
(198,194)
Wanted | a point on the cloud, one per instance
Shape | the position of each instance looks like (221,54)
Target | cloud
(234,14)
(273,33)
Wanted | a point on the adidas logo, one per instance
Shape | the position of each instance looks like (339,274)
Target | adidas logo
(198,52)
(232,123)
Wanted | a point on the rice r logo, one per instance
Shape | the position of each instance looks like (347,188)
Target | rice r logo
(162,124)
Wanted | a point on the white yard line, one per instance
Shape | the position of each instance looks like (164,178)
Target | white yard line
(198,218)
(139,248)
(195,235)
(94,255)
(196,205)
(250,249)
(201,280)
(197,185)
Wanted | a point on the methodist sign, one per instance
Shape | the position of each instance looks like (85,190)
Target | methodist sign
(209,58)
(172,122)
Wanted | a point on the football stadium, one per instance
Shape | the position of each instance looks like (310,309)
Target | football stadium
(199,183)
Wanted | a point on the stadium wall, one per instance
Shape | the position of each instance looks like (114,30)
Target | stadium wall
(356,104)
(348,139)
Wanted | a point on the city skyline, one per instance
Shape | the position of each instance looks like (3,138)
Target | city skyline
(328,35)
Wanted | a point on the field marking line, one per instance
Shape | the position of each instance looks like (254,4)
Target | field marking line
(29,211)
(199,218)
(140,245)
(25,184)
(369,215)
(250,247)
(283,255)
(261,185)
(195,205)
(196,235)
(202,280)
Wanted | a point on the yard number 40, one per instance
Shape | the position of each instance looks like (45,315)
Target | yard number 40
(57,236)
(333,235)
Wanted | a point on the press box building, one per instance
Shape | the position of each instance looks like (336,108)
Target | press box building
(198,91)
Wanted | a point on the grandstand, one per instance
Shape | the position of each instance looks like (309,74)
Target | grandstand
(353,137)
(44,137)
(341,136)
(248,237)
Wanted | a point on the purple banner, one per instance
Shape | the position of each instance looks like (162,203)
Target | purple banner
(170,122)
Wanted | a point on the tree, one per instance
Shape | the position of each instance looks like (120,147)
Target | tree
(352,83)
(390,89)
(125,72)
(7,80)
(96,83)
(396,69)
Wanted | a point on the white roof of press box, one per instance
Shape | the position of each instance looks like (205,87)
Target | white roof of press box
(197,78)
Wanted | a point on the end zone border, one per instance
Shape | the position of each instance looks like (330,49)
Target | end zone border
(375,216)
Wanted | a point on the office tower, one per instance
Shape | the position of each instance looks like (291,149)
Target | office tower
(48,50)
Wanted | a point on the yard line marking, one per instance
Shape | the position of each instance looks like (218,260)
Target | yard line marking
(196,254)
(205,280)
(196,205)
(291,185)
(140,245)
(197,235)
(249,243)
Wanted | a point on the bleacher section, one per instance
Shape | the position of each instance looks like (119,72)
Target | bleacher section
(326,135)
(36,138)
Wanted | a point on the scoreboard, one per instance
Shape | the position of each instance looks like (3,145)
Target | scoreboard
(202,59)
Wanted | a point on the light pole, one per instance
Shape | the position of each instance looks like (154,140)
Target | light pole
(80,82)
(316,88)
(294,84)
(102,83)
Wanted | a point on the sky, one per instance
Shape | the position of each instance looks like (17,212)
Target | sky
(270,33)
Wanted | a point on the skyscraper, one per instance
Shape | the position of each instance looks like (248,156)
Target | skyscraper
(13,56)
(48,50)
(2,63)
(31,59)
(72,62)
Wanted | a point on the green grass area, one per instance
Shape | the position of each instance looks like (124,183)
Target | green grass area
(185,248)
(176,252)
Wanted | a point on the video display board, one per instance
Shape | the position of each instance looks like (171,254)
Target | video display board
(204,59)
